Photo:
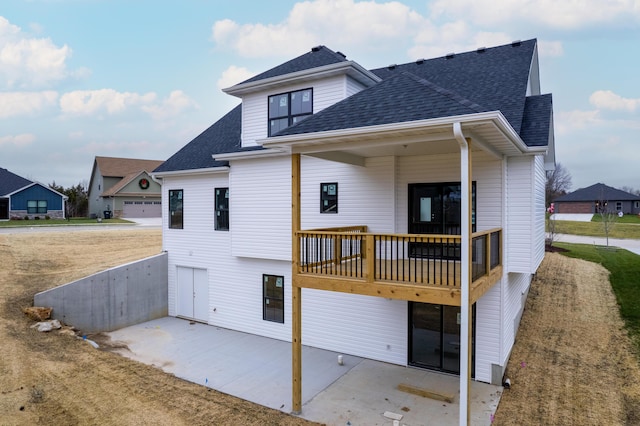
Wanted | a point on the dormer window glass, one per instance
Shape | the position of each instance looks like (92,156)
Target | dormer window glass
(289,108)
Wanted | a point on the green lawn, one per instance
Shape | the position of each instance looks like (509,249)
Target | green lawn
(624,268)
(627,218)
(620,229)
(59,222)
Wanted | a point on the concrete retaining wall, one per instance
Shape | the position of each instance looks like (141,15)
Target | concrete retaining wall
(119,297)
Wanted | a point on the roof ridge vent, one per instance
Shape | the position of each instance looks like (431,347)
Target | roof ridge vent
(420,61)
(450,55)
(516,43)
(481,49)
(316,48)
(392,67)
(342,54)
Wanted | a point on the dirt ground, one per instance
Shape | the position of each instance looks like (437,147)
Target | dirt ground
(54,379)
(572,363)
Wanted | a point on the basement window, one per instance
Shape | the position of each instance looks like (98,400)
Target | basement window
(273,298)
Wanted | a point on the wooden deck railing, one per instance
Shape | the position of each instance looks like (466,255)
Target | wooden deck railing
(432,260)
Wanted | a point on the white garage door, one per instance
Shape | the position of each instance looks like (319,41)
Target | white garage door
(142,209)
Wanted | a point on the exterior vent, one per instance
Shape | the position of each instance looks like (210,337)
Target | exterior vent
(481,49)
(316,48)
(516,43)
(392,67)
(450,55)
(420,62)
(342,54)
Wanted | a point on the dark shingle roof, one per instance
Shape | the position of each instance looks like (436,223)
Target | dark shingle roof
(222,137)
(10,182)
(598,191)
(493,79)
(400,98)
(317,57)
(537,120)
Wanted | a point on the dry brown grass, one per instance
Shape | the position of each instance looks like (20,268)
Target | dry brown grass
(56,379)
(573,362)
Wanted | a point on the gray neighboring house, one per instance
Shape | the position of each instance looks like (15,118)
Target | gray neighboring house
(594,198)
(21,197)
(123,187)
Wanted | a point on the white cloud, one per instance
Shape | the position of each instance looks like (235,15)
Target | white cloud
(342,23)
(564,15)
(176,103)
(550,48)
(91,102)
(21,140)
(233,75)
(29,62)
(13,104)
(606,99)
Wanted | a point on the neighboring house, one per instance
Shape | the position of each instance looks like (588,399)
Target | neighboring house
(380,213)
(123,187)
(596,199)
(21,198)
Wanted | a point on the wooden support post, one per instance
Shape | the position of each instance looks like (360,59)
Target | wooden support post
(371,260)
(296,291)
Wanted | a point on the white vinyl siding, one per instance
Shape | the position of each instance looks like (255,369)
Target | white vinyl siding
(520,213)
(197,244)
(371,327)
(255,106)
(488,340)
(486,171)
(353,87)
(260,208)
(365,194)
(539,205)
(515,290)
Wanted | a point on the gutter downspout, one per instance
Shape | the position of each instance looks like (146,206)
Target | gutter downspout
(465,261)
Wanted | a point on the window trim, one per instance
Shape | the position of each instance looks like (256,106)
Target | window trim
(170,221)
(327,198)
(221,211)
(290,116)
(266,298)
(41,206)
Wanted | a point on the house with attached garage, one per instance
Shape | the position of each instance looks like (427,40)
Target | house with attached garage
(122,187)
(22,198)
(395,214)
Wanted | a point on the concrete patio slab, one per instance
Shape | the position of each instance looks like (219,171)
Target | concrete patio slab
(258,369)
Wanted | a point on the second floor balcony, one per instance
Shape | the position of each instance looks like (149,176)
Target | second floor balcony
(419,267)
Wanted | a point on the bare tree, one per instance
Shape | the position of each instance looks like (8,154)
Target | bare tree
(630,190)
(607,216)
(558,183)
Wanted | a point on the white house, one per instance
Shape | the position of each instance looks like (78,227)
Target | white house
(395,214)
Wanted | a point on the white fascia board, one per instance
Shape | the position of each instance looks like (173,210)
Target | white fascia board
(350,68)
(250,154)
(191,172)
(496,118)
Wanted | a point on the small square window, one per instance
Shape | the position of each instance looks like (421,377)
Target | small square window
(176,213)
(273,298)
(329,197)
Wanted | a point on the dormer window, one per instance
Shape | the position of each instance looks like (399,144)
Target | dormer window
(287,109)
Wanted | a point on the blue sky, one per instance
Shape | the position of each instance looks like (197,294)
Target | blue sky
(140,79)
